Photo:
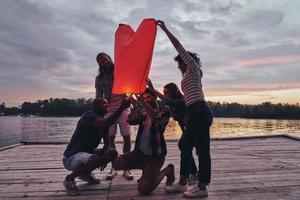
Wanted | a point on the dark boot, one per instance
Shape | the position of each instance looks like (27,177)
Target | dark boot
(97,160)
(105,156)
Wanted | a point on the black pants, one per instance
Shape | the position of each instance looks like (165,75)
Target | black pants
(187,162)
(199,120)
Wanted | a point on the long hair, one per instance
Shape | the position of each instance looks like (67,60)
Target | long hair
(98,57)
(174,90)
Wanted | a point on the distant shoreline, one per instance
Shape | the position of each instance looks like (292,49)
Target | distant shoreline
(76,107)
(36,116)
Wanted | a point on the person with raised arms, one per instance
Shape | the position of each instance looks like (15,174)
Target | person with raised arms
(198,117)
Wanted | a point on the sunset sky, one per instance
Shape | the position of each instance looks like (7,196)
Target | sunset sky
(250,50)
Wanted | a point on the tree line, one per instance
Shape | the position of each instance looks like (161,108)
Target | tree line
(50,107)
(76,107)
(265,110)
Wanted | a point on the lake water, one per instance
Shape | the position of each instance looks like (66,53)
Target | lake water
(60,129)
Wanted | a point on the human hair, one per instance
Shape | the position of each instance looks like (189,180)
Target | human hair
(149,91)
(99,105)
(98,57)
(175,92)
(194,56)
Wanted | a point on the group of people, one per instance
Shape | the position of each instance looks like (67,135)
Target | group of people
(194,117)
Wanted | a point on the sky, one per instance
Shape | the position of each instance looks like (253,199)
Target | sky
(250,50)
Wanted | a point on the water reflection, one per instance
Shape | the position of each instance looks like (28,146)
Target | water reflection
(54,129)
(10,130)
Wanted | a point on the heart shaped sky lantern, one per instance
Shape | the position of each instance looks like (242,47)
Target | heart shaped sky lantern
(133,55)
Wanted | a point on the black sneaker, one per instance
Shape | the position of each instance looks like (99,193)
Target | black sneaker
(90,179)
(71,188)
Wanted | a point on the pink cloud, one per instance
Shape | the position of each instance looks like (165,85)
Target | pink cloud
(241,89)
(267,60)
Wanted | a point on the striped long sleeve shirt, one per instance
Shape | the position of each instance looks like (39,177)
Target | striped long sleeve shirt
(191,84)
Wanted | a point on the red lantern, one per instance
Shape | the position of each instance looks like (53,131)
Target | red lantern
(133,56)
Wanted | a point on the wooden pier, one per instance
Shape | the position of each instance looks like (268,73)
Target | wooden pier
(251,168)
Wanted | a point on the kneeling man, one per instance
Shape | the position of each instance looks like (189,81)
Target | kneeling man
(150,146)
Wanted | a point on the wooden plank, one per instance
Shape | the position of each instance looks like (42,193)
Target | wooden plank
(256,168)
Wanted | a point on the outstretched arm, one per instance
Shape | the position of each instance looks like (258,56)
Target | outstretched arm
(187,59)
(172,38)
(167,100)
(107,122)
(151,87)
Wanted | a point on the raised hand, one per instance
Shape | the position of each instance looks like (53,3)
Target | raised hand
(125,103)
(172,38)
(161,24)
(150,85)
(139,99)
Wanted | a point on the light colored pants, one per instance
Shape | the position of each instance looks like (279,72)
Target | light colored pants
(125,128)
(71,162)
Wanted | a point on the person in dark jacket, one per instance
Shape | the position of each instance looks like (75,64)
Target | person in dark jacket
(198,116)
(81,155)
(150,146)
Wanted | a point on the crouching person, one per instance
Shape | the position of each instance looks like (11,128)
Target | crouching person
(81,156)
(150,147)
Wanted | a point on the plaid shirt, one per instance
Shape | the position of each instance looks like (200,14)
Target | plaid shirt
(104,83)
(157,141)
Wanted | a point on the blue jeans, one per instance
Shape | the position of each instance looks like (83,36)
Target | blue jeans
(71,162)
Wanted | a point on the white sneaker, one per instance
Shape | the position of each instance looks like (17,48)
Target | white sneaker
(176,188)
(195,192)
(111,174)
(127,175)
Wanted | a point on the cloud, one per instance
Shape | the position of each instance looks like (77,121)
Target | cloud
(48,47)
(234,89)
(268,60)
(260,19)
(257,97)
